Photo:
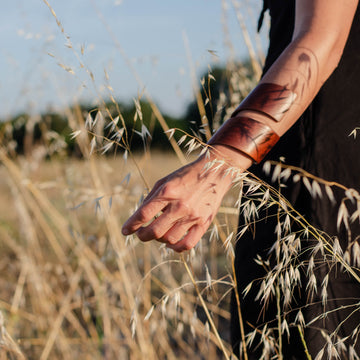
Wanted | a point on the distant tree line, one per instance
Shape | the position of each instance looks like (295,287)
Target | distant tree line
(55,131)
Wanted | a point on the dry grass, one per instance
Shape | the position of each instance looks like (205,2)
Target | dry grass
(72,286)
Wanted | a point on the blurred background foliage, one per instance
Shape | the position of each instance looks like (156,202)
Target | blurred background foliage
(23,131)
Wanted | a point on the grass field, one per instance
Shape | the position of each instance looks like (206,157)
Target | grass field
(72,286)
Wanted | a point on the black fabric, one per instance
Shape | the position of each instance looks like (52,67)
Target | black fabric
(320,144)
(261,17)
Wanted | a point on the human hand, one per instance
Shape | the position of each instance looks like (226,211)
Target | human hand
(187,201)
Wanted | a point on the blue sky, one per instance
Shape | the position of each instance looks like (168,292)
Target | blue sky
(150,33)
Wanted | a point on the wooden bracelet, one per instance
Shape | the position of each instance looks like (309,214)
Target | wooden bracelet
(247,135)
(269,99)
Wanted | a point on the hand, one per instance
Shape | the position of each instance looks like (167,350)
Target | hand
(186,201)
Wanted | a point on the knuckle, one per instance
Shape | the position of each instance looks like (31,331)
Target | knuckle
(183,207)
(187,246)
(170,239)
(142,236)
(142,214)
(168,191)
(155,234)
(204,221)
(147,234)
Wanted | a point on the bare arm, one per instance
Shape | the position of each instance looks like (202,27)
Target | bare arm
(189,198)
(320,34)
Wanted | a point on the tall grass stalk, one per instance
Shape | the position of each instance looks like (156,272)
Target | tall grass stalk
(73,286)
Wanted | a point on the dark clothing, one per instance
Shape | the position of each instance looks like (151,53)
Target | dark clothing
(320,144)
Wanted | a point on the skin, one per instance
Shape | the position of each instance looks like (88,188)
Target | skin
(188,199)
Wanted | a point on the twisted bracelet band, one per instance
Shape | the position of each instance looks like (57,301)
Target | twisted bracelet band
(269,99)
(247,135)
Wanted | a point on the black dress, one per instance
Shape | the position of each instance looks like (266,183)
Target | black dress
(320,144)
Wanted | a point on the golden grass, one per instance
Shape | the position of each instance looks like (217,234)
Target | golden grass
(74,286)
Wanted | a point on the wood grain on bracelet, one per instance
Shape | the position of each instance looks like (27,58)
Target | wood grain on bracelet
(247,135)
(270,99)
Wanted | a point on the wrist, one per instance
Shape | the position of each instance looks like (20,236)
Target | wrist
(231,156)
(246,135)
(222,158)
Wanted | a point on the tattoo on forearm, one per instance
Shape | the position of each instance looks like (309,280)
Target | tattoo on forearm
(254,138)
(270,99)
(249,136)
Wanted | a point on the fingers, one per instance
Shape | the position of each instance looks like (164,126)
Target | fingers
(144,214)
(189,240)
(157,229)
(156,187)
(170,226)
(177,226)
(177,232)
(186,204)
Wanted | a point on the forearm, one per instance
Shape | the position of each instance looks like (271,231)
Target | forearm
(299,72)
(303,68)
(321,31)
